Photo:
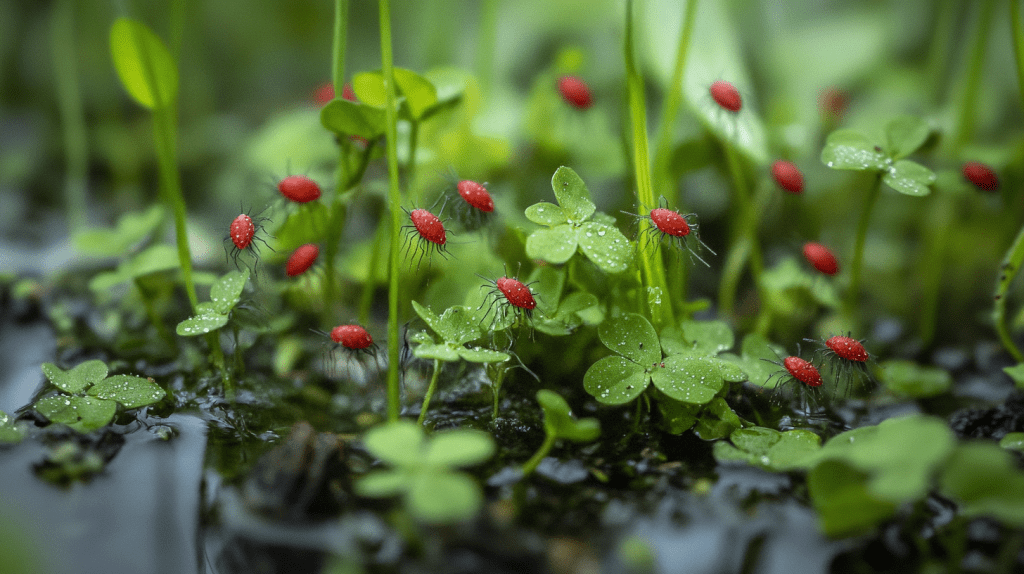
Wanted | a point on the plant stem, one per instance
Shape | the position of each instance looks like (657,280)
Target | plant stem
(1018,44)
(72,118)
(410,168)
(1011,264)
(395,205)
(338,206)
(653,269)
(667,120)
(939,223)
(858,247)
(430,392)
(745,247)
(338,46)
(488,34)
(154,317)
(531,465)
(964,128)
(366,300)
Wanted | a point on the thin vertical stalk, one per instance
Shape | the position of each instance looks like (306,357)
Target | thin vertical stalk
(486,41)
(430,392)
(394,204)
(338,207)
(339,45)
(1011,264)
(178,19)
(545,448)
(745,247)
(1018,44)
(72,118)
(964,128)
(653,269)
(858,247)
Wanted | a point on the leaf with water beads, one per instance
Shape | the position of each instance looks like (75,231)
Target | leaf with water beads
(481,355)
(227,291)
(605,246)
(572,194)
(849,149)
(79,413)
(457,325)
(9,431)
(546,213)
(436,351)
(554,245)
(632,336)
(909,178)
(769,449)
(688,379)
(615,380)
(76,379)
(131,391)
(208,319)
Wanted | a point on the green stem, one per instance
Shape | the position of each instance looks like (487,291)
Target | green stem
(653,269)
(395,205)
(940,221)
(545,448)
(410,168)
(154,317)
(488,33)
(1018,43)
(366,299)
(1011,264)
(338,46)
(338,206)
(178,19)
(938,54)
(430,392)
(72,118)
(165,139)
(496,381)
(964,128)
(858,247)
(745,247)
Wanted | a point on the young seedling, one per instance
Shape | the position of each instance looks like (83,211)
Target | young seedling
(457,328)
(302,259)
(559,424)
(575,91)
(213,315)
(427,235)
(423,470)
(726,95)
(788,176)
(821,258)
(981,175)
(663,223)
(847,357)
(89,398)
(299,189)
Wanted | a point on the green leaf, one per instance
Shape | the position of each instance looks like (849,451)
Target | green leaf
(428,316)
(717,420)
(769,449)
(443,497)
(849,149)
(984,481)
(688,379)
(369,88)
(605,246)
(559,422)
(398,443)
(10,432)
(545,213)
(479,355)
(731,373)
(153,259)
(708,337)
(615,380)
(547,284)
(912,380)
(1013,441)
(904,135)
(80,413)
(131,228)
(909,178)
(756,352)
(439,351)
(457,325)
(632,336)
(677,416)
(572,195)
(420,94)
(144,65)
(1016,373)
(78,378)
(459,447)
(302,226)
(209,319)
(381,483)
(132,392)
(554,245)
(840,495)
(227,291)
(355,119)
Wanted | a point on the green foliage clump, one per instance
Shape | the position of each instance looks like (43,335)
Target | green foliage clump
(89,398)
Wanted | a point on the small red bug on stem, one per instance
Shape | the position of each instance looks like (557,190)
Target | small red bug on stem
(302,259)
(788,176)
(350,339)
(508,294)
(428,232)
(663,223)
(299,189)
(981,176)
(821,258)
(726,95)
(847,358)
(575,91)
(796,371)
(323,94)
(243,234)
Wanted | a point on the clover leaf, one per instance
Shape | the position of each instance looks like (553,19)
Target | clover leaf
(212,315)
(96,407)
(851,150)
(910,379)
(10,431)
(559,423)
(768,448)
(423,470)
(619,379)
(841,497)
(457,326)
(985,481)
(569,227)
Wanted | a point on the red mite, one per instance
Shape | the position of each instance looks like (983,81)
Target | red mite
(351,337)
(847,348)
(981,175)
(802,371)
(348,93)
(788,176)
(575,91)
(821,258)
(725,95)
(428,226)
(324,94)
(302,259)
(242,231)
(476,195)
(299,188)
(516,293)
(669,222)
